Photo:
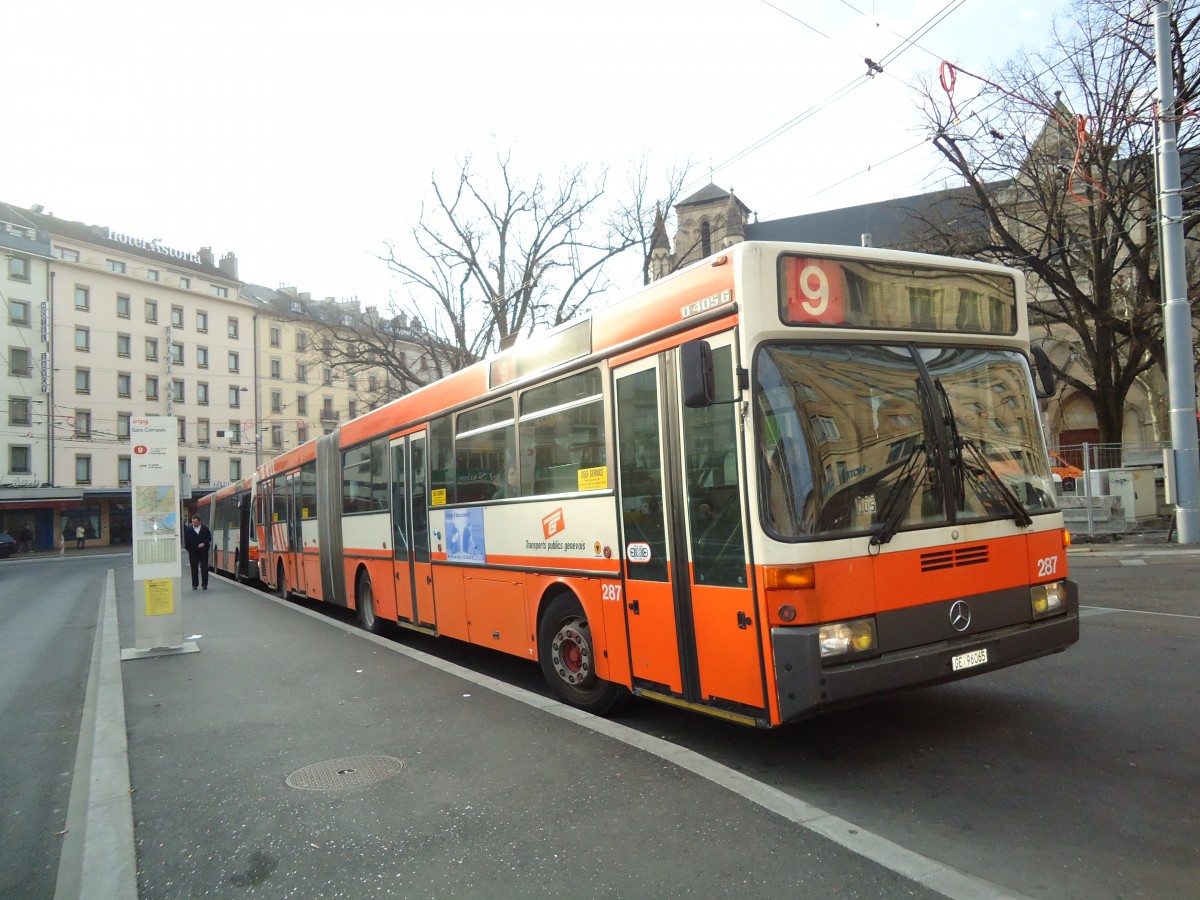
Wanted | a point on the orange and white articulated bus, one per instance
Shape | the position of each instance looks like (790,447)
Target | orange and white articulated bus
(784,480)
(228,514)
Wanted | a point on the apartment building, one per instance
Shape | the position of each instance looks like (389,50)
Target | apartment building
(300,392)
(105,326)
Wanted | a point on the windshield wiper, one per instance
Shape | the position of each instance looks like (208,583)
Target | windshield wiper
(899,495)
(1010,499)
(956,443)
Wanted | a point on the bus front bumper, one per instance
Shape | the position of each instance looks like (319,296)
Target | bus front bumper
(807,688)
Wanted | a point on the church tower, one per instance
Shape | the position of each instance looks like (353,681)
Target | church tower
(708,221)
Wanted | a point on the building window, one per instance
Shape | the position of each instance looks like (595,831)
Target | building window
(234,361)
(327,376)
(18,411)
(123,345)
(20,362)
(66,254)
(202,393)
(151,387)
(202,470)
(372,383)
(352,381)
(235,470)
(83,423)
(301,341)
(124,469)
(276,436)
(185,282)
(83,297)
(152,274)
(202,322)
(327,411)
(202,431)
(276,367)
(152,311)
(232,327)
(301,405)
(183,465)
(219,290)
(301,432)
(177,390)
(176,351)
(151,349)
(83,469)
(276,402)
(235,432)
(202,357)
(124,384)
(181,430)
(18,268)
(353,409)
(301,373)
(18,312)
(83,339)
(273,337)
(83,381)
(177,316)
(123,424)
(19,457)
(123,305)
(235,398)
(115,265)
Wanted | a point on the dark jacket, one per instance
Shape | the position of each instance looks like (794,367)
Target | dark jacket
(192,540)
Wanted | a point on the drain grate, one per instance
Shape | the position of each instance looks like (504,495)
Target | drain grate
(350,772)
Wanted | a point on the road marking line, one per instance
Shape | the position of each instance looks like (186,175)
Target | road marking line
(945,880)
(1105,610)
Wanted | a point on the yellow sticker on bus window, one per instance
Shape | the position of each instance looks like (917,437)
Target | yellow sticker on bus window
(593,479)
(438,496)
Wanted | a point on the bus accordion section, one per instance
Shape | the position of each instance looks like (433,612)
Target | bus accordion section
(786,479)
(230,515)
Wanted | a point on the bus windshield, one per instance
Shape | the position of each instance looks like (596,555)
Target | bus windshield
(860,438)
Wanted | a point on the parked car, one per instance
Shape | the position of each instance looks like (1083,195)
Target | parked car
(1066,472)
(8,545)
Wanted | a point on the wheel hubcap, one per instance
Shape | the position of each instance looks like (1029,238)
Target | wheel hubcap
(571,654)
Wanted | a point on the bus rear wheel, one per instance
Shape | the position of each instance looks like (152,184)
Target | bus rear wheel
(366,606)
(281,590)
(567,656)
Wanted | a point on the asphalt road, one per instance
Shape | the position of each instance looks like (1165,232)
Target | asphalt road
(48,615)
(1069,777)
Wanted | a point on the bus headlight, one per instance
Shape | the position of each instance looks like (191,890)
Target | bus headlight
(841,638)
(1048,599)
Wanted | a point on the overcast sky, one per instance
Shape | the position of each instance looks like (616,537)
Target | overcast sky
(303,135)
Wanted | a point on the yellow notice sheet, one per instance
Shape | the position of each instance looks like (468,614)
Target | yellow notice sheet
(160,596)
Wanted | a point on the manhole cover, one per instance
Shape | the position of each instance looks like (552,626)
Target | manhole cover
(338,774)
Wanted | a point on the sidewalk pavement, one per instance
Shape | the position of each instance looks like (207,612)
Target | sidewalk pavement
(297,756)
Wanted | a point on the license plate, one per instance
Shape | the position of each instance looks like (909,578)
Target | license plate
(969,660)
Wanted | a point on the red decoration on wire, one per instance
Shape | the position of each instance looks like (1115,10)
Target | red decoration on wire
(947,74)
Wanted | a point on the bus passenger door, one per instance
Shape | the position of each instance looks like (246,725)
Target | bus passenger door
(418,508)
(710,526)
(294,566)
(410,532)
(650,608)
(692,620)
(406,606)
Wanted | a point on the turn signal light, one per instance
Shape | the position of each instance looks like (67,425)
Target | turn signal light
(1066,538)
(790,578)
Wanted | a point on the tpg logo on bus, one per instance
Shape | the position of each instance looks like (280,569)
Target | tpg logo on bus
(553,524)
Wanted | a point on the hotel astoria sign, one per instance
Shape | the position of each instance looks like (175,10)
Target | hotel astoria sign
(154,246)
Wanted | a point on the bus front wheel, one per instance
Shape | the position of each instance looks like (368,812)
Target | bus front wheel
(366,606)
(567,656)
(281,590)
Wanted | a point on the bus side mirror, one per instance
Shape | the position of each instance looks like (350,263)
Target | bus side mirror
(1044,381)
(696,374)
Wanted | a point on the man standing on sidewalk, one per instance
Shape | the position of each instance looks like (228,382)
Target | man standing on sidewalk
(197,539)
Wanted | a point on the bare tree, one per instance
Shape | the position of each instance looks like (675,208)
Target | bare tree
(1057,152)
(488,265)
(636,220)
